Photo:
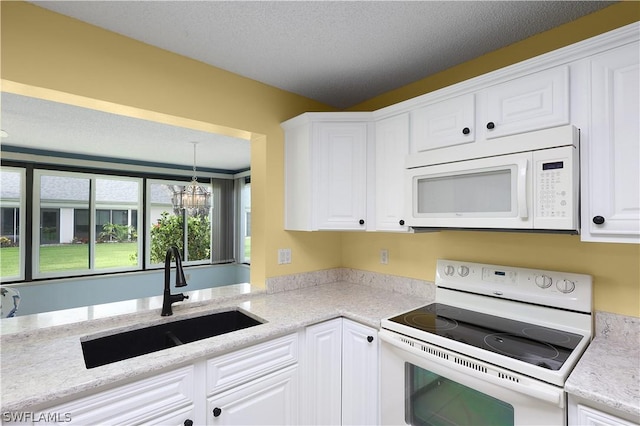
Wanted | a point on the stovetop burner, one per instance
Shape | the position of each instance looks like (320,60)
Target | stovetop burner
(545,347)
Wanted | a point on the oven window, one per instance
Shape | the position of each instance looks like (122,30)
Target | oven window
(433,400)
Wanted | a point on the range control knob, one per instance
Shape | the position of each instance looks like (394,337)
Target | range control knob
(463,271)
(565,286)
(449,270)
(543,281)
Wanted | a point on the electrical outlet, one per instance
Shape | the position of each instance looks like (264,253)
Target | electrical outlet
(284,256)
(384,256)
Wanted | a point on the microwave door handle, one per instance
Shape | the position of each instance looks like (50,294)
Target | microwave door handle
(522,189)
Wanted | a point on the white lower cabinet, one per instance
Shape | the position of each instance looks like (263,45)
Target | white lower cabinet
(256,385)
(167,398)
(359,374)
(269,400)
(590,417)
(335,382)
(584,413)
(341,374)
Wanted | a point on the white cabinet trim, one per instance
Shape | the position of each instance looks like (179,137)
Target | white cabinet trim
(558,57)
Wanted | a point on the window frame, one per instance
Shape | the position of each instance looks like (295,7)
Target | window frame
(242,224)
(22,223)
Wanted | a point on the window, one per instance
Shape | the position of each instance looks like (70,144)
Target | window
(12,211)
(86,223)
(169,227)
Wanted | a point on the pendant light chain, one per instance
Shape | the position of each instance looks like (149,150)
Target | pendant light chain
(195,178)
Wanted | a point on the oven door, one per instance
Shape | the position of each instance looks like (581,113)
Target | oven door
(485,193)
(422,384)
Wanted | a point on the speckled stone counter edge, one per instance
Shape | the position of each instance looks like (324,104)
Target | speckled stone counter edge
(609,371)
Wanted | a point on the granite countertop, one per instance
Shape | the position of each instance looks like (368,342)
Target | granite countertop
(609,371)
(42,357)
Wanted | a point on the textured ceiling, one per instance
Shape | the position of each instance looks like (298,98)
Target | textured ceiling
(336,52)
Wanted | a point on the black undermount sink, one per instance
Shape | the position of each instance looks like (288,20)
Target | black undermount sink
(129,344)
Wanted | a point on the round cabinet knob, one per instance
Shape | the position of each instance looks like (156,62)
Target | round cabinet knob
(401,222)
(466,131)
(217,411)
(598,220)
(565,286)
(463,271)
(491,125)
(449,270)
(369,339)
(361,221)
(188,422)
(543,281)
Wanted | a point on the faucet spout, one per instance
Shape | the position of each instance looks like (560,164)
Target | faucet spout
(181,281)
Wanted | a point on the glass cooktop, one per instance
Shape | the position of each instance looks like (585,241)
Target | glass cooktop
(541,346)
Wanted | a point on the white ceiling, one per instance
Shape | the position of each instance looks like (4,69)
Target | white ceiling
(337,52)
(37,124)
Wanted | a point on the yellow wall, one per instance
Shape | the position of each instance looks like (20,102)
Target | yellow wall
(615,267)
(49,55)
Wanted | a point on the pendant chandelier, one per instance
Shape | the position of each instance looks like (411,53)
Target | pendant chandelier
(193,198)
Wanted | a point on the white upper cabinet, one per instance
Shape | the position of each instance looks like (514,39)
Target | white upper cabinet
(611,159)
(342,172)
(327,166)
(533,102)
(447,123)
(392,147)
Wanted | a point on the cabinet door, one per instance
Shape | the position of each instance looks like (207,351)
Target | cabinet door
(270,400)
(359,374)
(446,123)
(341,153)
(587,416)
(392,146)
(534,102)
(612,176)
(323,379)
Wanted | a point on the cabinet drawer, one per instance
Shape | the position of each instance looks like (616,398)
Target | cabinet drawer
(247,364)
(174,418)
(135,403)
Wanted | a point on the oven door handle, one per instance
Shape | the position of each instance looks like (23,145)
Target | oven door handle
(550,395)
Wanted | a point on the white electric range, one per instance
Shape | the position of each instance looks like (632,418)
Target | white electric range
(495,348)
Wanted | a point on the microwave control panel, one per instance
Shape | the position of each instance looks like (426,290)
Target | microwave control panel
(555,186)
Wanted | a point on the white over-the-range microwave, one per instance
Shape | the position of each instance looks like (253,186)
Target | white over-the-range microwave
(526,182)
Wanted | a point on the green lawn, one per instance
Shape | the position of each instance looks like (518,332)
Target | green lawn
(71,257)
